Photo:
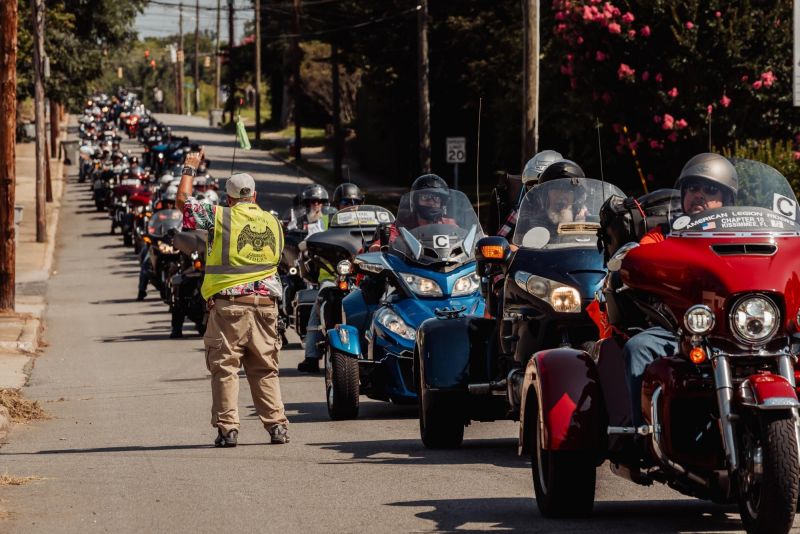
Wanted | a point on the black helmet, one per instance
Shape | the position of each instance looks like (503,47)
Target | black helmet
(429,184)
(314,192)
(348,191)
(713,168)
(561,169)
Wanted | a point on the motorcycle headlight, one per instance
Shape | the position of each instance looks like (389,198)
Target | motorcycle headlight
(466,285)
(424,287)
(699,320)
(344,267)
(396,324)
(563,298)
(165,248)
(754,319)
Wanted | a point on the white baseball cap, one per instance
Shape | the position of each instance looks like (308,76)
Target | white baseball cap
(240,185)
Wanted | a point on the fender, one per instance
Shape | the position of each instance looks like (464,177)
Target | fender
(445,348)
(345,339)
(767,391)
(563,385)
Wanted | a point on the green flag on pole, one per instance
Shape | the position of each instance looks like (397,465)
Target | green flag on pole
(241,134)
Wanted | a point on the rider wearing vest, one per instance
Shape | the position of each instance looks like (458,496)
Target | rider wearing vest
(240,283)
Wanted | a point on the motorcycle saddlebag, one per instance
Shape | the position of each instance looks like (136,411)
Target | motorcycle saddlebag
(623,221)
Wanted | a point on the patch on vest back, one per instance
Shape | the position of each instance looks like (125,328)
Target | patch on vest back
(257,240)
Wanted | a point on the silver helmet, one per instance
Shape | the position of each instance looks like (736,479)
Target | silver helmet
(536,165)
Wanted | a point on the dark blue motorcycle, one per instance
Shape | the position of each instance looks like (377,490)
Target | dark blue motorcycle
(472,368)
(427,269)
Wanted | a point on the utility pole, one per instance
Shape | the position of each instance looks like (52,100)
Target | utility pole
(298,56)
(197,56)
(337,111)
(180,59)
(231,73)
(258,69)
(218,61)
(8,130)
(530,80)
(37,9)
(424,97)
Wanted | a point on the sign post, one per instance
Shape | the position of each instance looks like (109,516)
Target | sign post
(456,153)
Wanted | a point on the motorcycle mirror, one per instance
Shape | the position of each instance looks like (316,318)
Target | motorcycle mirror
(615,263)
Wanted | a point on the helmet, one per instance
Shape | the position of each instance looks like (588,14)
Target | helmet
(348,191)
(714,168)
(171,193)
(429,184)
(314,192)
(211,197)
(536,166)
(134,160)
(165,180)
(562,168)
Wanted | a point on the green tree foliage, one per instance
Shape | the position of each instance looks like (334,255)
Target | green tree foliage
(78,37)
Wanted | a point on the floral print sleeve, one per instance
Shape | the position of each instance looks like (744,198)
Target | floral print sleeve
(198,215)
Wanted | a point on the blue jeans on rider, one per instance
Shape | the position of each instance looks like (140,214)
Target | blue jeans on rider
(145,269)
(640,351)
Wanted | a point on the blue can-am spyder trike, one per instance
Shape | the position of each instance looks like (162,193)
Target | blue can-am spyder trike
(427,269)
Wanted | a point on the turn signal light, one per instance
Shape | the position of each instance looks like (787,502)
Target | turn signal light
(146,240)
(198,264)
(343,285)
(494,252)
(697,355)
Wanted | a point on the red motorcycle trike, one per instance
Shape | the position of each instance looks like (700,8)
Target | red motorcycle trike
(720,414)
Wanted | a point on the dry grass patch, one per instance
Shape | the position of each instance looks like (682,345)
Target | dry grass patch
(20,409)
(11,480)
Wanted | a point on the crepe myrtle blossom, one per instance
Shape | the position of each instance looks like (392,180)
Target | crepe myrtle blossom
(757,84)
(645,31)
(673,92)
(625,71)
(659,78)
(600,56)
(768,78)
(680,124)
(689,25)
(628,17)
(614,28)
(668,122)
(725,101)
(796,155)
(631,33)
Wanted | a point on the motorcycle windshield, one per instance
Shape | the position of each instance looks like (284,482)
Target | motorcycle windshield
(436,226)
(764,204)
(562,213)
(163,221)
(361,216)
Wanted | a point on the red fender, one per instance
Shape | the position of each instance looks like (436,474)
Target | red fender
(769,392)
(569,401)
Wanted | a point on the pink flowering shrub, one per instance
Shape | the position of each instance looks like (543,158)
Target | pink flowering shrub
(665,68)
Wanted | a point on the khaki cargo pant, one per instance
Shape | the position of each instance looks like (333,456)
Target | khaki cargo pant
(243,334)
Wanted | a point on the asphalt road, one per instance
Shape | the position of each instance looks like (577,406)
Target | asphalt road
(129,447)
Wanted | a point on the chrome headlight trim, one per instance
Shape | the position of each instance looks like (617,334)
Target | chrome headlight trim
(421,285)
(556,294)
(755,312)
(395,324)
(699,320)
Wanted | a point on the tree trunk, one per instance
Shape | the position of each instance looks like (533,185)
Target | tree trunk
(530,81)
(8,127)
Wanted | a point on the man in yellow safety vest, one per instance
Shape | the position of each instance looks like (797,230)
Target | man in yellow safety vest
(241,287)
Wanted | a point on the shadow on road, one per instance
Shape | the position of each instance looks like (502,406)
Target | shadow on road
(317,412)
(521,514)
(499,452)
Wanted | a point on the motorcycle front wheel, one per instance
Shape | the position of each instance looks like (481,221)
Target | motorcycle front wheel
(769,473)
(342,385)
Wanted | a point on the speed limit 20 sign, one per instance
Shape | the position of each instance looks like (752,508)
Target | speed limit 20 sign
(456,150)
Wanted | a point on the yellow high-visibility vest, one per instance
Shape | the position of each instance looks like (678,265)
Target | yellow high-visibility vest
(246,247)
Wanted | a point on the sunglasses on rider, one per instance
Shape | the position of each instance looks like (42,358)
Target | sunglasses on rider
(428,197)
(349,202)
(708,189)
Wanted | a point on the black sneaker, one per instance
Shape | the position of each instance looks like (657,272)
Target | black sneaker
(226,441)
(278,434)
(309,365)
(141,295)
